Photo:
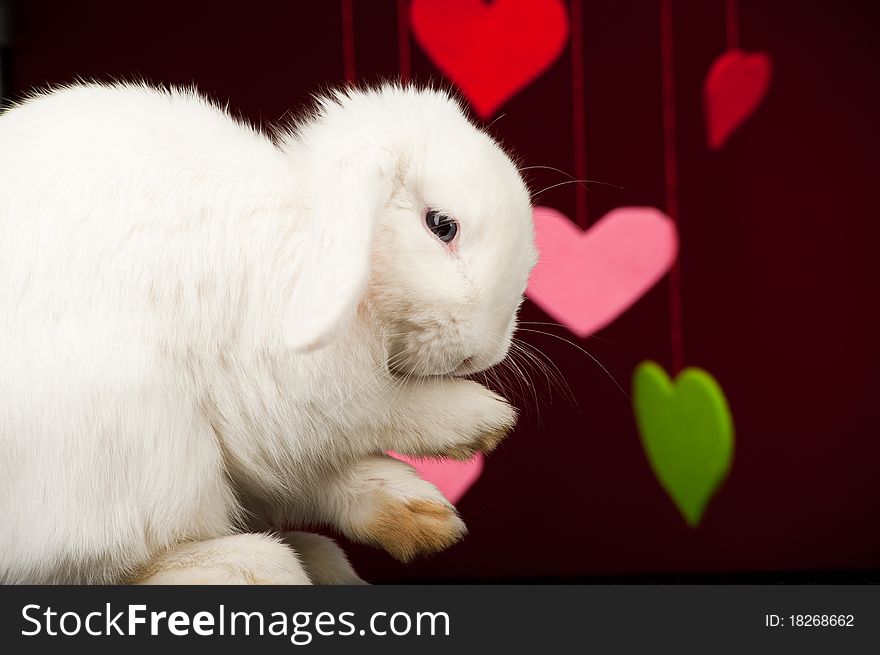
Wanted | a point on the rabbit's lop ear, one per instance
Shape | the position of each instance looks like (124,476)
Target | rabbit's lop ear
(334,257)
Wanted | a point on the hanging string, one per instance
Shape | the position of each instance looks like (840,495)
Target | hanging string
(578,112)
(403,39)
(731,22)
(670,171)
(348,40)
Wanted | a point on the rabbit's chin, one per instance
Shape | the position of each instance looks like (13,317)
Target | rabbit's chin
(460,368)
(407,369)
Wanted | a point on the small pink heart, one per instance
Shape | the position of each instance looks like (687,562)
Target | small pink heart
(736,84)
(450,476)
(585,280)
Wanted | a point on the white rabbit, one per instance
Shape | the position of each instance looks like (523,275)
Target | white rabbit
(203,326)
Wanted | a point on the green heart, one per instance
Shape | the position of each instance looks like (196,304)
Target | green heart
(687,433)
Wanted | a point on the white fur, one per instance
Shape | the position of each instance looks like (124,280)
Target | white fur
(197,320)
(323,559)
(235,560)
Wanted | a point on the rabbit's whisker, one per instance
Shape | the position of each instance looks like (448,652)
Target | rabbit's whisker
(582,183)
(574,345)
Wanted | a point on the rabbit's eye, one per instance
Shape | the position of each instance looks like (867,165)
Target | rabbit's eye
(443,226)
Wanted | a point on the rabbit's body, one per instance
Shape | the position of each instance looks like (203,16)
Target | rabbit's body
(148,397)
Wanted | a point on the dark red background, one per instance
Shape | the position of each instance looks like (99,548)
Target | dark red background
(779,237)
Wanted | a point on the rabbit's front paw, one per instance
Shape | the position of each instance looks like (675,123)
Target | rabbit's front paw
(385,503)
(470,419)
(488,418)
(406,527)
(449,417)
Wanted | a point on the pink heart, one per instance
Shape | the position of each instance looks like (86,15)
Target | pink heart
(451,477)
(736,84)
(585,280)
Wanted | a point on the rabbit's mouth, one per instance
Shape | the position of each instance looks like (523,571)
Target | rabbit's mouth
(404,369)
(468,365)
(408,360)
(425,353)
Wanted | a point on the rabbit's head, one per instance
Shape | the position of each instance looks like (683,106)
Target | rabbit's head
(421,220)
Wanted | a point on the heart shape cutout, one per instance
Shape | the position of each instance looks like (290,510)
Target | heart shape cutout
(452,477)
(585,280)
(490,50)
(687,433)
(735,85)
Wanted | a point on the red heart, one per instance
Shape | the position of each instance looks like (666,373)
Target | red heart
(585,280)
(490,51)
(734,87)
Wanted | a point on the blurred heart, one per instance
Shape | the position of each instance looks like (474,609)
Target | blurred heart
(585,280)
(687,434)
(490,50)
(736,84)
(450,476)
